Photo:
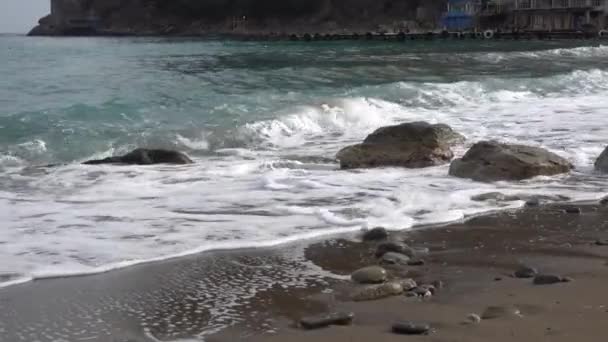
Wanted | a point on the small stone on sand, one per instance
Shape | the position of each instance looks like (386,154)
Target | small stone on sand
(473,318)
(369,275)
(411,328)
(526,272)
(325,320)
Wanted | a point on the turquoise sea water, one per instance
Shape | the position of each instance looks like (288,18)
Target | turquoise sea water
(264,121)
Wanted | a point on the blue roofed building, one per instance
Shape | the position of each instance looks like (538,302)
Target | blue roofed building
(460,14)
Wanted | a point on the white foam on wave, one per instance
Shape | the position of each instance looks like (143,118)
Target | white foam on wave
(560,53)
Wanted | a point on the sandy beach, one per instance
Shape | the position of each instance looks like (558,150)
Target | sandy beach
(181,299)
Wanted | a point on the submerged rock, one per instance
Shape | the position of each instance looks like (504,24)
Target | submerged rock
(489,161)
(374,292)
(375,234)
(142,156)
(411,145)
(325,320)
(411,328)
(601,164)
(369,275)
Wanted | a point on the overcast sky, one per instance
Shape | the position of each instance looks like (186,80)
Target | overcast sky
(19,16)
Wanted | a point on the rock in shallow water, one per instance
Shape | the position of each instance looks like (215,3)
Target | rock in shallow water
(374,292)
(325,320)
(369,275)
(375,234)
(142,156)
(411,145)
(411,328)
(489,161)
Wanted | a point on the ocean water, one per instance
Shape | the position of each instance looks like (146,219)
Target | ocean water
(263,121)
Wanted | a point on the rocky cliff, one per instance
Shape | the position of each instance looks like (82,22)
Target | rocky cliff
(238,17)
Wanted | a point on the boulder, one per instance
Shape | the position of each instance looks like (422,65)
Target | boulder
(325,320)
(489,161)
(142,156)
(411,145)
(369,275)
(601,164)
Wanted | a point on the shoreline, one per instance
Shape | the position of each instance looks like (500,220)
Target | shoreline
(286,283)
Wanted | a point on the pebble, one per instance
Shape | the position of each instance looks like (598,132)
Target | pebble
(411,328)
(395,258)
(369,275)
(421,291)
(325,320)
(375,234)
(473,318)
(525,272)
(396,247)
(548,279)
(573,210)
(374,292)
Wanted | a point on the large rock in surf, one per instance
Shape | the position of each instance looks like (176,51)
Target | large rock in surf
(489,161)
(411,145)
(601,164)
(142,156)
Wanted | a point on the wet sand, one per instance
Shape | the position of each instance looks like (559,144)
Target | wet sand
(258,295)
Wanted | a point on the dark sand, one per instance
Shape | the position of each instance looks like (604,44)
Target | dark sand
(259,294)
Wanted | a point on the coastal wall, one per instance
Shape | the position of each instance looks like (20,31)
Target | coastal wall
(241,16)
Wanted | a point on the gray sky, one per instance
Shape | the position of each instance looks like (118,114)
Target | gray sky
(19,16)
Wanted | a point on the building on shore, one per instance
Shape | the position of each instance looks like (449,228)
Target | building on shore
(560,15)
(526,15)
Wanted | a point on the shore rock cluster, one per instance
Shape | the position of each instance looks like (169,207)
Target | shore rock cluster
(420,144)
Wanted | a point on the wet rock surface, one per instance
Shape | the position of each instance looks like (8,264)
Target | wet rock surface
(369,275)
(375,234)
(395,247)
(393,258)
(489,161)
(374,292)
(142,156)
(411,145)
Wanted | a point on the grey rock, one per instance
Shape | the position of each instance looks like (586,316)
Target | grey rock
(601,242)
(601,164)
(393,258)
(411,145)
(421,291)
(525,272)
(533,202)
(395,247)
(411,328)
(377,233)
(325,320)
(374,292)
(604,201)
(493,312)
(143,156)
(419,251)
(369,275)
(489,161)
(547,279)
